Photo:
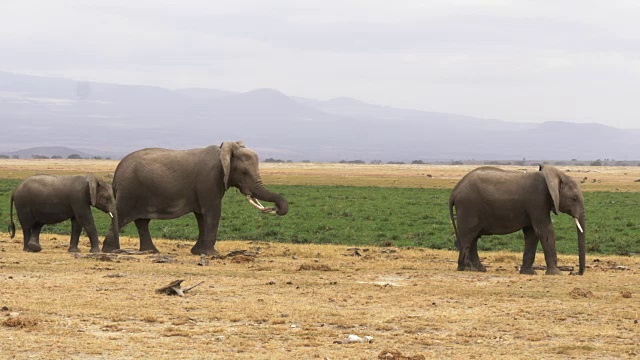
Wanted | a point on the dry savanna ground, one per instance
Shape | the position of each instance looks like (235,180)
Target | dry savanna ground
(272,300)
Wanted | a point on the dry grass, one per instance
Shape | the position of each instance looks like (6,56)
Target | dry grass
(294,301)
(593,178)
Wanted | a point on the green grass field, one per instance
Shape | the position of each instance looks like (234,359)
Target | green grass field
(378,216)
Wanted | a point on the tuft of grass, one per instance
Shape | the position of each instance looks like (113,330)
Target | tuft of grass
(20,322)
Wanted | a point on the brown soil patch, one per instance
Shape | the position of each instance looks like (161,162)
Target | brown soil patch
(413,304)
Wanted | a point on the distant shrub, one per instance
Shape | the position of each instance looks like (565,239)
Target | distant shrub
(417,162)
(39,157)
(74,156)
(272,160)
(596,163)
(351,162)
(457,162)
(56,157)
(395,162)
(494,162)
(4,156)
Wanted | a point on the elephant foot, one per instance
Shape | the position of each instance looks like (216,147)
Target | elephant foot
(34,246)
(95,250)
(480,268)
(151,248)
(527,271)
(110,246)
(471,268)
(74,250)
(198,250)
(553,271)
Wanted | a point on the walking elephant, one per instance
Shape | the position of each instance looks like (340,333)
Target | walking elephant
(492,201)
(166,184)
(48,199)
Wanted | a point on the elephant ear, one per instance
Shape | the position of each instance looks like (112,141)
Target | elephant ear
(227,149)
(554,179)
(93,188)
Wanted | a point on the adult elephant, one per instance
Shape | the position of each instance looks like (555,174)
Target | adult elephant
(165,184)
(492,201)
(49,199)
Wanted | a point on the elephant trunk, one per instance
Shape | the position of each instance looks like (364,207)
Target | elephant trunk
(581,243)
(259,192)
(115,230)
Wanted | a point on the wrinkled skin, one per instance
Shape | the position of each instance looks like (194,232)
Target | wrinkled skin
(47,199)
(166,184)
(491,201)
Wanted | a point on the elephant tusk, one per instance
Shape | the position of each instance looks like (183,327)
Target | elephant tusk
(578,225)
(255,203)
(110,214)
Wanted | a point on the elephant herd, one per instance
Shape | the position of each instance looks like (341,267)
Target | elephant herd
(159,183)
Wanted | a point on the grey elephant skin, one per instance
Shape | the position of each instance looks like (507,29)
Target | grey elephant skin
(48,199)
(492,201)
(165,184)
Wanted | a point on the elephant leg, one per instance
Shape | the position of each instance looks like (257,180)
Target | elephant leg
(26,232)
(464,256)
(146,244)
(208,226)
(76,229)
(530,247)
(474,258)
(34,239)
(86,221)
(548,240)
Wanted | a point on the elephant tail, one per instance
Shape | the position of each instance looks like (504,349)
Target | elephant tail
(452,216)
(12,225)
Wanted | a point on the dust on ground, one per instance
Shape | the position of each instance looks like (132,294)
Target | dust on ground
(298,301)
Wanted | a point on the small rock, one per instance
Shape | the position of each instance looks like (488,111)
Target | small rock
(352,338)
(626,294)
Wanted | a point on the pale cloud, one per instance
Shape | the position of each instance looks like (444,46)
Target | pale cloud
(514,60)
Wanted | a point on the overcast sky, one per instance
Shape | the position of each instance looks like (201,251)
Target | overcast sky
(536,61)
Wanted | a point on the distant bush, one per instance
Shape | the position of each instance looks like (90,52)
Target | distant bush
(457,162)
(494,162)
(417,162)
(596,163)
(272,160)
(376,162)
(56,157)
(74,156)
(351,162)
(39,157)
(4,156)
(395,162)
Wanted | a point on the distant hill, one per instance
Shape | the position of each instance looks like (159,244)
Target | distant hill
(118,119)
(47,151)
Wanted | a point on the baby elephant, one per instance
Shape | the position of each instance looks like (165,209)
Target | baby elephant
(48,199)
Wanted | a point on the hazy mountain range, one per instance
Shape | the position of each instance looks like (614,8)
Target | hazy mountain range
(112,120)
